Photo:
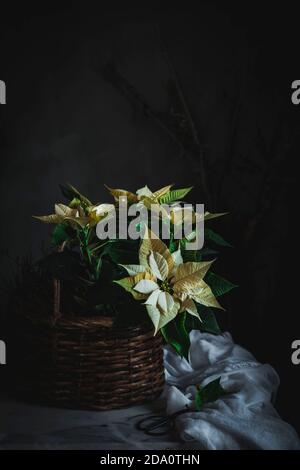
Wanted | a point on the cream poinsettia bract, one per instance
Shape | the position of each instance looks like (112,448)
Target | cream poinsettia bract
(75,214)
(155,200)
(144,194)
(166,284)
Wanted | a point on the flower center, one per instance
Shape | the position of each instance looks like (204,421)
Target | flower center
(165,286)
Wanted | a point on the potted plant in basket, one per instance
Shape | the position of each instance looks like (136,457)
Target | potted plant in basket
(107,342)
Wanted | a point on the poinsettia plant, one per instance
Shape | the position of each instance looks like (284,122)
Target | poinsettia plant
(168,282)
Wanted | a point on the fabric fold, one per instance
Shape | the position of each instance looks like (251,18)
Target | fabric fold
(243,419)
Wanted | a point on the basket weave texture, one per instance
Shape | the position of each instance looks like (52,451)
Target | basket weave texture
(87,363)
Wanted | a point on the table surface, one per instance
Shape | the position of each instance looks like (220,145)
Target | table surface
(26,426)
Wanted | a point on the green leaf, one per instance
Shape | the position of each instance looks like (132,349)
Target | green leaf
(218,284)
(75,202)
(60,234)
(198,400)
(70,192)
(173,246)
(176,334)
(210,216)
(174,195)
(197,255)
(210,234)
(208,394)
(207,253)
(192,255)
(123,252)
(169,340)
(209,322)
(98,267)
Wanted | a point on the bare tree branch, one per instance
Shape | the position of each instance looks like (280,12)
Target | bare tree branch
(190,120)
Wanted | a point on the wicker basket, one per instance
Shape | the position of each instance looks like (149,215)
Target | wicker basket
(86,363)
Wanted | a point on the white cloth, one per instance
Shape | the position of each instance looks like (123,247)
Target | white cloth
(243,419)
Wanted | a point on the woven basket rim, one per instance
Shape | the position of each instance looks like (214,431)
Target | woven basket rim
(90,322)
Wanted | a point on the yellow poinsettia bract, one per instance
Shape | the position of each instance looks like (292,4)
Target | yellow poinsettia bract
(143,194)
(167,284)
(74,214)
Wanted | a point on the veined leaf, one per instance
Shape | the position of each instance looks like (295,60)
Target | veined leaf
(189,274)
(71,192)
(209,322)
(191,255)
(218,284)
(209,215)
(171,341)
(122,251)
(144,192)
(129,282)
(49,219)
(75,202)
(150,243)
(117,193)
(146,286)
(204,296)
(210,234)
(198,400)
(158,265)
(208,394)
(133,269)
(61,233)
(173,246)
(174,195)
(190,307)
(160,320)
(162,192)
(204,252)
(176,334)
(199,255)
(177,257)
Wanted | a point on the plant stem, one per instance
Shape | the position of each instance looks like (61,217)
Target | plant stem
(83,237)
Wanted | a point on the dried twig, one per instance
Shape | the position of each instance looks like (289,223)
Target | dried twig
(273,159)
(111,74)
(233,132)
(190,120)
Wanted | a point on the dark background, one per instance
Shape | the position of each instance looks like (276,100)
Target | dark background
(67,120)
